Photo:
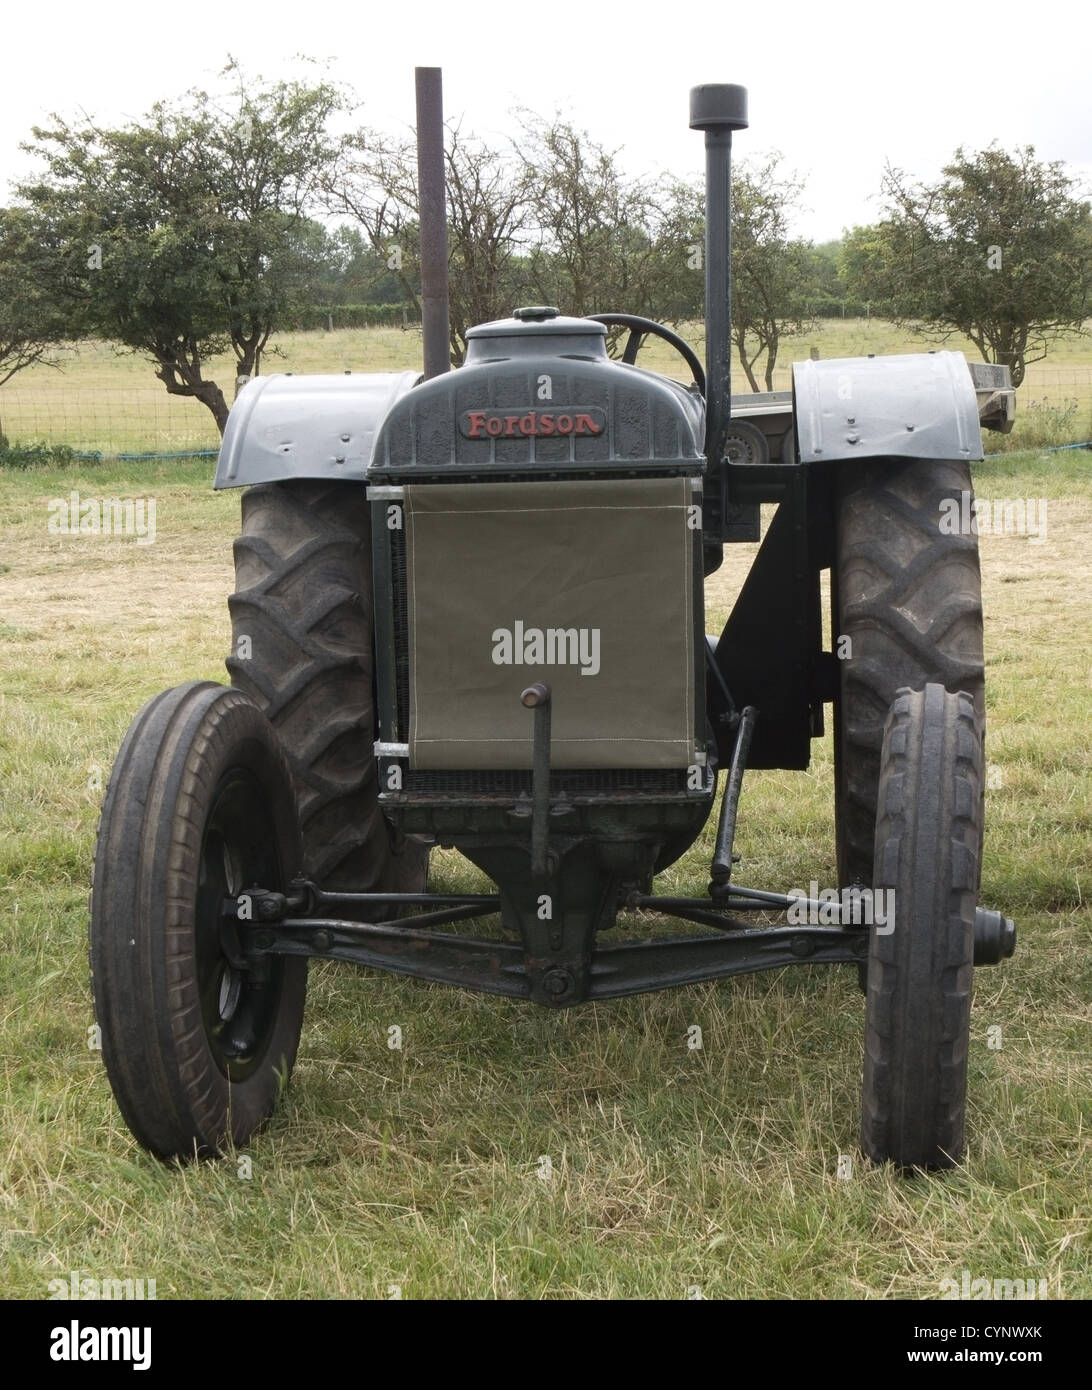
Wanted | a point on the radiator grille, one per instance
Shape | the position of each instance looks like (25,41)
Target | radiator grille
(509,784)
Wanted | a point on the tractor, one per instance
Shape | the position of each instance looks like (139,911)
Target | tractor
(469,613)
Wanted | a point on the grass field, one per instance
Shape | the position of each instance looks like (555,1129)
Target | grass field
(672,1169)
(109,402)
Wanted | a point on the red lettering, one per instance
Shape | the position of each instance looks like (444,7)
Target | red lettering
(478,424)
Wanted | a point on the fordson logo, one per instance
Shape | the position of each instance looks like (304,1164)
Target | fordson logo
(535,424)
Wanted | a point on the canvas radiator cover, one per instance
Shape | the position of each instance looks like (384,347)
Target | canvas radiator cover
(586,585)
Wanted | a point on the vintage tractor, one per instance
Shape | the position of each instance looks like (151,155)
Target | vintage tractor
(469,613)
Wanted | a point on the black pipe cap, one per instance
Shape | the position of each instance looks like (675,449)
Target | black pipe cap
(718,106)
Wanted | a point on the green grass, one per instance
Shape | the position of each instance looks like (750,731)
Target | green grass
(103,400)
(419,1168)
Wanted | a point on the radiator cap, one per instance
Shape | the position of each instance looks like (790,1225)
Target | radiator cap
(534,330)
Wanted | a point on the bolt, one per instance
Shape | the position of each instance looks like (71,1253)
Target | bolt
(323,940)
(853,439)
(557,983)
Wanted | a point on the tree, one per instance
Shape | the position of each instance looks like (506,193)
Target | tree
(31,321)
(769,269)
(375,182)
(353,273)
(821,287)
(488,211)
(186,234)
(594,247)
(680,251)
(772,273)
(998,249)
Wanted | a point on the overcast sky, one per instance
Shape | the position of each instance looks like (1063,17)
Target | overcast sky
(837,88)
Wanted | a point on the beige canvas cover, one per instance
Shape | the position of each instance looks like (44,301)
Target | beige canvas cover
(586,585)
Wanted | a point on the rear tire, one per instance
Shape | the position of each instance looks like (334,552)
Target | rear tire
(200,807)
(908,596)
(302,649)
(928,849)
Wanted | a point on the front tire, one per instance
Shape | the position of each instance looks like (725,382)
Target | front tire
(198,1043)
(927,853)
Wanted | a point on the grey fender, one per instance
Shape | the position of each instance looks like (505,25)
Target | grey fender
(307,426)
(914,405)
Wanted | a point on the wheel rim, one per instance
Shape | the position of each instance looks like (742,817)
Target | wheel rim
(239,1007)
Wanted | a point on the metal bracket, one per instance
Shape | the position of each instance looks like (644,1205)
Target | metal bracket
(537,697)
(726,828)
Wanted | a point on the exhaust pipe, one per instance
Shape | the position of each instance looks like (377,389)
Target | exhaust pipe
(432,198)
(718,109)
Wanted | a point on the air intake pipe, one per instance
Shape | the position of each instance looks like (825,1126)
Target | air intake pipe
(718,109)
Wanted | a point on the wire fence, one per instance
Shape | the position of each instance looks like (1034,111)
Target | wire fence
(146,421)
(109,420)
